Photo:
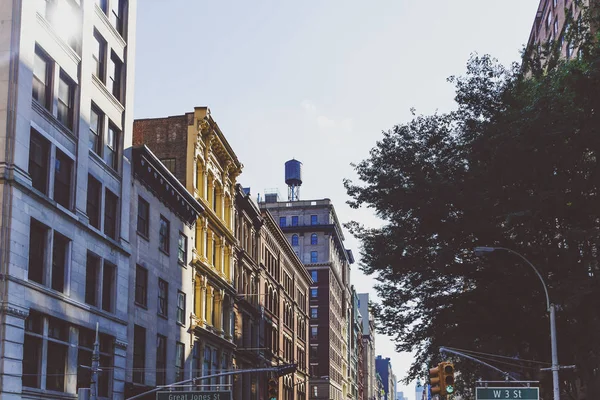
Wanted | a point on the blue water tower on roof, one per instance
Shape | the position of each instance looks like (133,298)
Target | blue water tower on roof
(293,178)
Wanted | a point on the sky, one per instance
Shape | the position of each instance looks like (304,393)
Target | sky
(316,80)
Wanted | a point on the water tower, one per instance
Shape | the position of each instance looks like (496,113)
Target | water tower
(293,178)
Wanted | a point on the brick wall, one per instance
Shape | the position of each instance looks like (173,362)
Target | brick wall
(166,138)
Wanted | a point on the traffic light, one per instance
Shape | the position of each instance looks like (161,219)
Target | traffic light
(448,375)
(435,376)
(273,389)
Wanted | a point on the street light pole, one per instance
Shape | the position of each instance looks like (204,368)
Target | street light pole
(549,307)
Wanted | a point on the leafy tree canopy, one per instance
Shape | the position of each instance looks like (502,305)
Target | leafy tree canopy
(516,165)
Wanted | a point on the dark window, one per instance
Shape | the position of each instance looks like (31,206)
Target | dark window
(62,179)
(161,360)
(182,248)
(116,15)
(92,276)
(108,285)
(139,353)
(41,79)
(314,239)
(143,218)
(66,95)
(282,221)
(163,297)
(37,251)
(32,350)
(295,220)
(163,235)
(99,56)
(93,201)
(59,262)
(39,151)
(215,198)
(314,332)
(313,293)
(294,240)
(114,76)
(181,307)
(313,257)
(141,286)
(169,163)
(179,361)
(314,312)
(102,4)
(314,220)
(111,153)
(313,275)
(56,366)
(96,120)
(110,214)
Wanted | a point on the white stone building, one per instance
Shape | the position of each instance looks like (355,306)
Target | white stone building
(65,117)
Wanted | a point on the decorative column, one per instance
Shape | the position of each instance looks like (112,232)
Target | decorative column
(222,255)
(203,300)
(218,309)
(210,297)
(222,201)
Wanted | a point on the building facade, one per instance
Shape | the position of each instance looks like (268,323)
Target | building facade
(66,113)
(196,151)
(551,25)
(355,321)
(368,347)
(161,302)
(315,234)
(383,366)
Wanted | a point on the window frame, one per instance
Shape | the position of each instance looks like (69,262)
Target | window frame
(295,240)
(145,218)
(46,102)
(100,58)
(181,306)
(314,256)
(91,208)
(314,220)
(95,138)
(139,354)
(68,119)
(141,291)
(162,306)
(294,220)
(109,196)
(282,222)
(63,183)
(37,170)
(111,146)
(314,239)
(163,237)
(161,359)
(182,251)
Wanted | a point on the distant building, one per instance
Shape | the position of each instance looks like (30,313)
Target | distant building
(368,345)
(356,375)
(420,390)
(400,396)
(383,366)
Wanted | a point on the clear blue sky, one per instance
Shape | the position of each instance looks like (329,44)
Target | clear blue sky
(316,80)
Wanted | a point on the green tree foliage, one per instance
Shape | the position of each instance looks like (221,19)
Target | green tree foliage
(516,165)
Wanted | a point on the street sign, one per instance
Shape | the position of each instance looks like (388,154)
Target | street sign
(503,393)
(201,395)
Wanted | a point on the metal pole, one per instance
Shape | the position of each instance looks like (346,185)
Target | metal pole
(554,353)
(95,368)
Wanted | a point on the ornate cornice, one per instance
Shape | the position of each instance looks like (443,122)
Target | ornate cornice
(120,344)
(14,311)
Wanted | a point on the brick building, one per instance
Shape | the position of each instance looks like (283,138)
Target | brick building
(66,114)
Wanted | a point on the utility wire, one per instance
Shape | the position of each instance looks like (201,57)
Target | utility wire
(499,356)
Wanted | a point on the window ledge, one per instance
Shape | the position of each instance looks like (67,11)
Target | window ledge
(49,117)
(181,324)
(107,168)
(48,394)
(50,30)
(143,236)
(164,252)
(104,18)
(144,306)
(166,317)
(102,87)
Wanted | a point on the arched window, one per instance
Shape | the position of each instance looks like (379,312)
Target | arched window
(313,239)
(294,240)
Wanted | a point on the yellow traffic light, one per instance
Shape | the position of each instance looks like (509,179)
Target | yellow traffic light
(447,369)
(435,378)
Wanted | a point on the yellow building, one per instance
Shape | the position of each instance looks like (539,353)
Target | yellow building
(195,150)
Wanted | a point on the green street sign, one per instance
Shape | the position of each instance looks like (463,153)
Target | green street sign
(202,395)
(502,393)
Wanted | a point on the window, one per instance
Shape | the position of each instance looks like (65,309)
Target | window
(102,4)
(112,147)
(281,221)
(94,191)
(41,79)
(314,312)
(179,361)
(141,286)
(313,293)
(314,239)
(163,297)
(114,76)
(161,360)
(313,256)
(143,217)
(549,20)
(294,240)
(314,220)
(87,337)
(170,164)
(314,275)
(556,27)
(37,251)
(96,121)
(92,277)
(62,179)
(182,249)
(314,331)
(163,235)
(139,353)
(56,359)
(110,214)
(39,154)
(108,285)
(99,56)
(32,350)
(181,307)
(294,220)
(59,261)
(66,95)
(116,15)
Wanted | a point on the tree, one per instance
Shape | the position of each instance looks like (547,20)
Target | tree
(516,165)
